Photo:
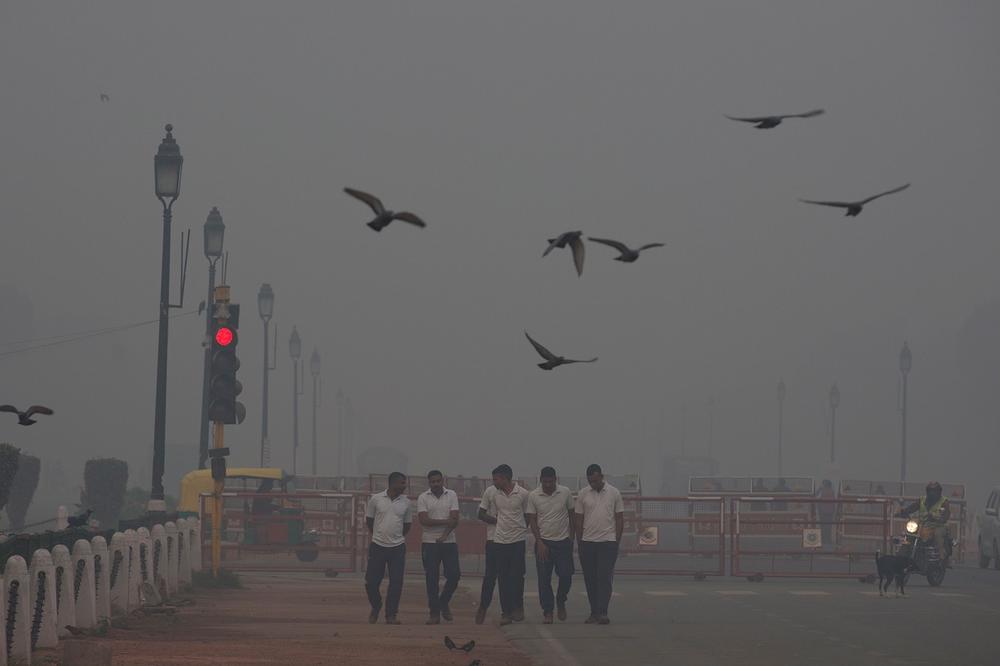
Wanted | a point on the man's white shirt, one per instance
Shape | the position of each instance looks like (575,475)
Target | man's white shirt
(509,510)
(552,511)
(598,510)
(389,516)
(437,508)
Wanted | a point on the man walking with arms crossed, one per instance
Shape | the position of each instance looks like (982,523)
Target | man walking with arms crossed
(388,518)
(437,511)
(550,516)
(508,502)
(600,520)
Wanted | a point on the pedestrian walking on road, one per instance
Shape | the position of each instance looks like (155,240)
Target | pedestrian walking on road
(600,520)
(508,502)
(550,516)
(437,511)
(388,517)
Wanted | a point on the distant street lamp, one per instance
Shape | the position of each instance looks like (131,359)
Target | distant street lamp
(295,351)
(265,308)
(215,231)
(167,183)
(905,363)
(314,370)
(781,423)
(834,404)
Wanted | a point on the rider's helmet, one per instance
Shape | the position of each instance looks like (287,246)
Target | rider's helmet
(934,485)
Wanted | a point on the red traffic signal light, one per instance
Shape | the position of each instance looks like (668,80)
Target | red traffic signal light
(224,336)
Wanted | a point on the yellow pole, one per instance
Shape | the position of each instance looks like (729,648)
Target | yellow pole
(217,505)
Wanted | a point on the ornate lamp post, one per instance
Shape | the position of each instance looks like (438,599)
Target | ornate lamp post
(265,308)
(314,370)
(834,404)
(295,351)
(905,363)
(215,231)
(781,423)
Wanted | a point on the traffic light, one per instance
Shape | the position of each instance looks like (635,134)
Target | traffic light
(223,385)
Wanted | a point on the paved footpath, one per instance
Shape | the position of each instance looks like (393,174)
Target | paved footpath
(659,620)
(303,619)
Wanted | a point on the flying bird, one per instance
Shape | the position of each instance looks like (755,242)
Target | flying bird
(854,207)
(573,239)
(767,122)
(551,360)
(628,255)
(382,216)
(24,418)
(105,97)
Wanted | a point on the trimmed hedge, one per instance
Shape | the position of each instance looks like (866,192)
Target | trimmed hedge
(22,490)
(104,483)
(10,457)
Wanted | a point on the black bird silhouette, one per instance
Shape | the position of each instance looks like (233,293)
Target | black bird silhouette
(81,520)
(571,238)
(448,643)
(105,97)
(551,360)
(767,122)
(468,646)
(382,216)
(854,207)
(24,418)
(628,255)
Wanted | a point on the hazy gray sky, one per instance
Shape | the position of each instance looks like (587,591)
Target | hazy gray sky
(502,124)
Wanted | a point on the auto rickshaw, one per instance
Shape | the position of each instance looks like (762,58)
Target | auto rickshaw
(269,519)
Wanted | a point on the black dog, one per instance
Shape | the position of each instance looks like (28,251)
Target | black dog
(893,568)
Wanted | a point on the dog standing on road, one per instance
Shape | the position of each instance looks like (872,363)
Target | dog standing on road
(892,568)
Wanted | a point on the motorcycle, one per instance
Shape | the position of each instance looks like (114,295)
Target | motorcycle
(918,545)
(308,546)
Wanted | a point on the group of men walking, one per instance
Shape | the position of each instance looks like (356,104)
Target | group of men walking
(594,520)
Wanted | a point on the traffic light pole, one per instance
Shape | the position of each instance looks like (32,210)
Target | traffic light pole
(203,424)
(218,485)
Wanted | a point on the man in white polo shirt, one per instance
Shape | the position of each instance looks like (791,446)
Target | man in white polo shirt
(600,520)
(437,511)
(388,518)
(550,516)
(507,501)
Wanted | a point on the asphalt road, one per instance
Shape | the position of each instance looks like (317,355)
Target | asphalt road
(660,620)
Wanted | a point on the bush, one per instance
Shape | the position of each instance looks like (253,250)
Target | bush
(104,483)
(9,458)
(22,489)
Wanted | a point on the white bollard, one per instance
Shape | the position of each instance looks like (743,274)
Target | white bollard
(118,574)
(44,627)
(183,553)
(171,557)
(62,518)
(102,573)
(16,601)
(195,526)
(145,556)
(83,584)
(132,572)
(65,605)
(159,535)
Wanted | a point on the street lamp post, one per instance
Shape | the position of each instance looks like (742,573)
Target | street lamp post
(834,404)
(340,431)
(314,370)
(167,182)
(215,231)
(295,351)
(905,363)
(265,308)
(781,423)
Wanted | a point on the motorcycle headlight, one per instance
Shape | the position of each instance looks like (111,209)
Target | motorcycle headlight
(912,526)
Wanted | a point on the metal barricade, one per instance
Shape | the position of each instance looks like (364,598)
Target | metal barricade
(807,536)
(275,531)
(673,536)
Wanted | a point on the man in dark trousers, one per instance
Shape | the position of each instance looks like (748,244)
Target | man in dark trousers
(437,511)
(550,516)
(507,501)
(489,573)
(600,520)
(388,518)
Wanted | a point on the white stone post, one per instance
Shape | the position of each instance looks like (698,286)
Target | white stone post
(171,557)
(195,524)
(65,604)
(43,600)
(145,556)
(16,601)
(183,553)
(132,578)
(102,574)
(159,535)
(83,584)
(118,574)
(62,518)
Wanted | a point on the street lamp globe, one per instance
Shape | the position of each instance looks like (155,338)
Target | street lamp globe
(834,396)
(295,344)
(215,230)
(905,359)
(167,168)
(265,302)
(781,390)
(314,363)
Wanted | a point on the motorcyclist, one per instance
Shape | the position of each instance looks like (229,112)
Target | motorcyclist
(933,511)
